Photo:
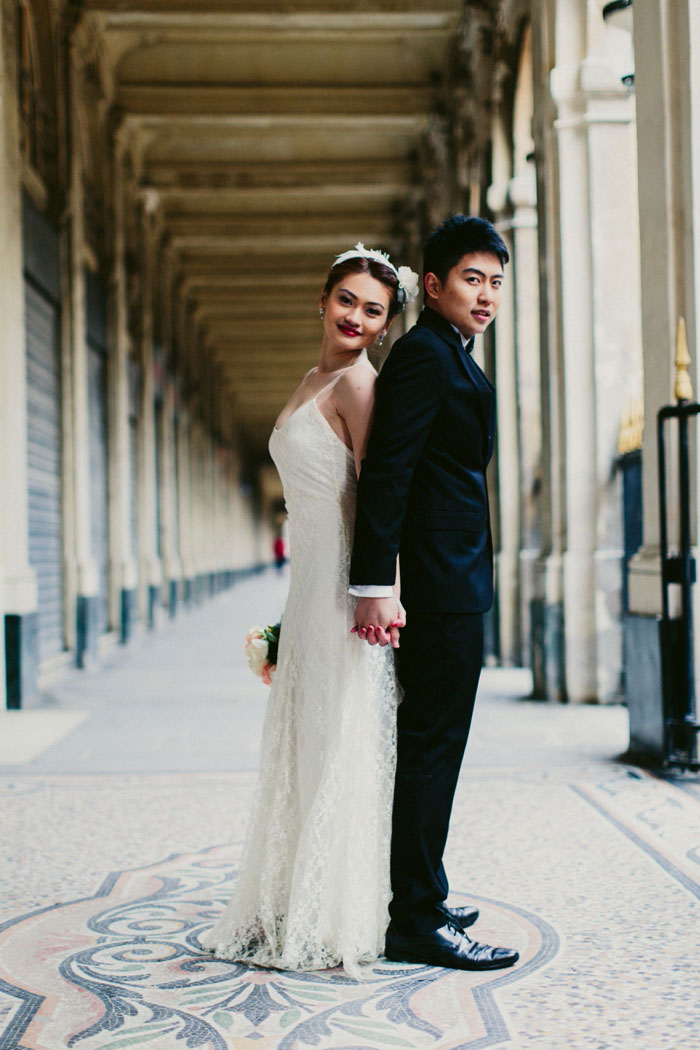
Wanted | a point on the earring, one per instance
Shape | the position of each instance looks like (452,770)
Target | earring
(381,338)
(321,312)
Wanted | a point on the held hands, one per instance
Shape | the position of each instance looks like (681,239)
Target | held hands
(378,620)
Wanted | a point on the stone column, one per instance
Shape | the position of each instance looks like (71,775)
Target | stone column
(519,445)
(18,591)
(599,339)
(546,610)
(172,567)
(150,567)
(209,508)
(522,195)
(82,565)
(616,339)
(579,385)
(220,496)
(508,559)
(239,524)
(507,534)
(667,81)
(184,488)
(236,536)
(197,497)
(123,568)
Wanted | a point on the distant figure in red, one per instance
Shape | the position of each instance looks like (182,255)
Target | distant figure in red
(279,552)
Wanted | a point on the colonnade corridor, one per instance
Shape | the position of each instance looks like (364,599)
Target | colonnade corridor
(125,795)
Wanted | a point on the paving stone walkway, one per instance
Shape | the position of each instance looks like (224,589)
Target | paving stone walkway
(124,801)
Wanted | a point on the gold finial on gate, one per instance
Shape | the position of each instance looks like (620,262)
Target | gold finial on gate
(637,428)
(682,388)
(623,439)
(632,426)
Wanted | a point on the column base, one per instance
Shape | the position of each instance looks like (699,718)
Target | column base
(127,613)
(172,598)
(547,650)
(153,600)
(187,592)
(528,592)
(21,658)
(508,586)
(87,621)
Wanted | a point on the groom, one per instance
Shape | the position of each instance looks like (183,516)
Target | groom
(422,495)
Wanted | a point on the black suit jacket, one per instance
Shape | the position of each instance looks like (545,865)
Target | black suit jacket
(422,489)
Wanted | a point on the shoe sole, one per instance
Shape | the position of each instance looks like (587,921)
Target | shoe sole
(497,964)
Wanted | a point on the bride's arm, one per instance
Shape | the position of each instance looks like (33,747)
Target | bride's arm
(353,401)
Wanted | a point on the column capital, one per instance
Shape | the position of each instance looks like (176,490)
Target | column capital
(589,93)
(497,199)
(522,192)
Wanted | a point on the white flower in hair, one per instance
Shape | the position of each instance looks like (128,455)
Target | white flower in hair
(360,252)
(408,280)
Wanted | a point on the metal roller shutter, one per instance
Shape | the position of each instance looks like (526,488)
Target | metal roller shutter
(44,464)
(43,361)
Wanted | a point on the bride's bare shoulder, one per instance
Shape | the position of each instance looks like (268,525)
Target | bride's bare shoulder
(359,377)
(355,388)
(365,366)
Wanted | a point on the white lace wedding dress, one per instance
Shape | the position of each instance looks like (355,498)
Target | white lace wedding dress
(313,888)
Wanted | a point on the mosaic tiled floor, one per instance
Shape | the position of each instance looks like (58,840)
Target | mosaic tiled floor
(125,968)
(597,872)
(590,868)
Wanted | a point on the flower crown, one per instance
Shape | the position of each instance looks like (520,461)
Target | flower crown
(407,278)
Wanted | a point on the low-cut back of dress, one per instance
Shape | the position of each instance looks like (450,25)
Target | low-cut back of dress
(313,889)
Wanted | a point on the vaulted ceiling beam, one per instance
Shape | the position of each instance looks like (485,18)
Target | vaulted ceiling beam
(305,15)
(319,173)
(155,100)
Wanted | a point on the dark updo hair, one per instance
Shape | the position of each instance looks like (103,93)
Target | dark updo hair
(360,264)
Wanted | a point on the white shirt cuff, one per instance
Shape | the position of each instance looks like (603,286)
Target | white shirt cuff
(370,590)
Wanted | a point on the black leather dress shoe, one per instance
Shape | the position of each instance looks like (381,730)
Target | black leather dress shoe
(449,946)
(462,917)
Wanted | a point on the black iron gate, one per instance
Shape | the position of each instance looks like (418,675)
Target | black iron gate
(678,570)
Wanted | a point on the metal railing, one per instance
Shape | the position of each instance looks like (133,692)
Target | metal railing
(678,570)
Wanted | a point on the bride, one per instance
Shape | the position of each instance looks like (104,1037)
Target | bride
(313,889)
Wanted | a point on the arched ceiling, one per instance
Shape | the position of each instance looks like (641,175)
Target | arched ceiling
(273,136)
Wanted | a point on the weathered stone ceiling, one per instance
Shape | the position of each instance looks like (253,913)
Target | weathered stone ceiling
(275,135)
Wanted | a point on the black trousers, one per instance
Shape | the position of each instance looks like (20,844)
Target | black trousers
(439,663)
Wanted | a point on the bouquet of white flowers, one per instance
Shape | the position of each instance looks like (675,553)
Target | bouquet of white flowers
(261,649)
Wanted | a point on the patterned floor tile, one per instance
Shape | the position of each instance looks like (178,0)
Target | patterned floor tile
(590,867)
(124,968)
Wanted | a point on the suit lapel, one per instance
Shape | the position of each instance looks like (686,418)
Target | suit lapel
(444,329)
(479,380)
(487,401)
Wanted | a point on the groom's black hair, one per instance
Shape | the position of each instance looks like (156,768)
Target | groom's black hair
(457,236)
